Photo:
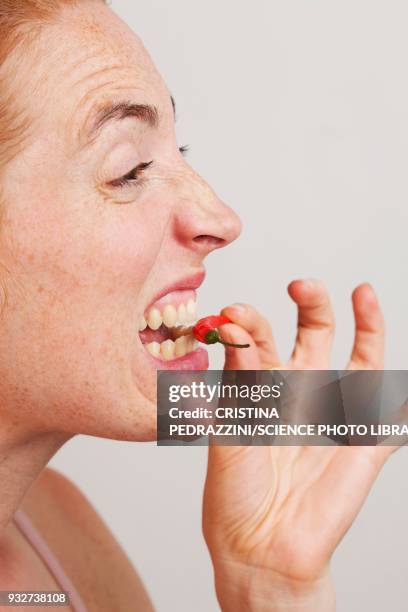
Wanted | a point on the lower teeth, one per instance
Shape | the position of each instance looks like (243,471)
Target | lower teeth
(170,349)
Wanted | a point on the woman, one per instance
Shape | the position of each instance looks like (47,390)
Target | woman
(104,230)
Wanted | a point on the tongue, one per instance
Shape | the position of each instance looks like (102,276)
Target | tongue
(158,335)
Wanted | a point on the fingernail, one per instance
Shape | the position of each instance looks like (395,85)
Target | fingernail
(373,293)
(241,308)
(310,283)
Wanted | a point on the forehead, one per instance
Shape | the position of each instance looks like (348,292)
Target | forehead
(91,56)
(90,29)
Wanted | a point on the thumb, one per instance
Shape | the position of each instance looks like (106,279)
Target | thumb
(239,358)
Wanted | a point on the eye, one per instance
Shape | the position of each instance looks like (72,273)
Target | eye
(134,175)
(131,177)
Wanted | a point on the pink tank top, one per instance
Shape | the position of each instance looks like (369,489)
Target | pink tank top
(39,544)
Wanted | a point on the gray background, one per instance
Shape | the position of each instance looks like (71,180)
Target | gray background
(297,114)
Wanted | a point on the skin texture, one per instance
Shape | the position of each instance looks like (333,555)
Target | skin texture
(80,262)
(273,516)
(83,260)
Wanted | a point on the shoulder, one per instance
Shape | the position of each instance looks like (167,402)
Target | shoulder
(63,513)
(57,490)
(49,477)
(69,522)
(59,508)
(55,496)
(52,483)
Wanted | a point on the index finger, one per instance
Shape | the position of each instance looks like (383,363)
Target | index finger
(258,328)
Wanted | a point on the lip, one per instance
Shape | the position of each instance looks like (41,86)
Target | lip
(196,360)
(189,282)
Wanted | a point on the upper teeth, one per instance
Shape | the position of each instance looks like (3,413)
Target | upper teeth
(169,315)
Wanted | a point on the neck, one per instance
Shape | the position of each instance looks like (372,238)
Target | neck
(22,458)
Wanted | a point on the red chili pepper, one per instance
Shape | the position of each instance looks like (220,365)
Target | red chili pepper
(205,330)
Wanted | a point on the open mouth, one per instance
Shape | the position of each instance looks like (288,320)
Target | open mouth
(165,328)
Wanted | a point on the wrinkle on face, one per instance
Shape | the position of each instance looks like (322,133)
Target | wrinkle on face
(77,127)
(17,87)
(45,63)
(181,178)
(114,59)
(98,264)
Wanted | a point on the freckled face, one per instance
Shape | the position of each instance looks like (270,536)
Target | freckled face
(83,259)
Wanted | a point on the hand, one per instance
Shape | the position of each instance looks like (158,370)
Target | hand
(273,516)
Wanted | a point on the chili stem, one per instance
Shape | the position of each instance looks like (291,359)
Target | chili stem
(234,345)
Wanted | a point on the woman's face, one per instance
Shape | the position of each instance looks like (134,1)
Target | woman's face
(86,253)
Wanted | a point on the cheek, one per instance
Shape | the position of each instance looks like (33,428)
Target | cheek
(66,245)
(71,271)
(129,247)
(70,327)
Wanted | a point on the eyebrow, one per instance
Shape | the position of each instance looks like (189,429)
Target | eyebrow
(117,111)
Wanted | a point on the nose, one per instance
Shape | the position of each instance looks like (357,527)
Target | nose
(202,221)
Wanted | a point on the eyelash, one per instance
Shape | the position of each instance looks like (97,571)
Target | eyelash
(133,176)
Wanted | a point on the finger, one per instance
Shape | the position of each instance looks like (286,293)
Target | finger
(368,348)
(258,328)
(239,358)
(315,324)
